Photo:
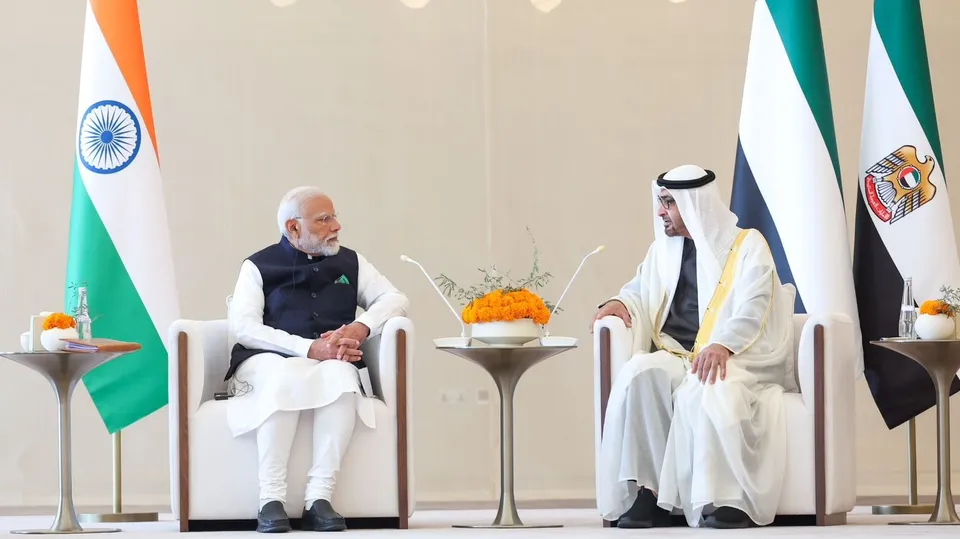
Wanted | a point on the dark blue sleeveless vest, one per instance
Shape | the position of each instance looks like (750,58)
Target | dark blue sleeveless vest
(303,296)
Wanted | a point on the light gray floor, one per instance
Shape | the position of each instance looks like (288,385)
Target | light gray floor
(576,523)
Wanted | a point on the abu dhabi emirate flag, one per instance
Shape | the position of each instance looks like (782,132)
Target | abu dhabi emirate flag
(786,180)
(904,225)
(119,241)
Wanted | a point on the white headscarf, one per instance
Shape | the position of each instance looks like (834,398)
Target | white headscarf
(712,227)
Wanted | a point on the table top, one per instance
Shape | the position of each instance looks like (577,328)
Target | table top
(505,347)
(903,340)
(61,365)
(63,353)
(939,357)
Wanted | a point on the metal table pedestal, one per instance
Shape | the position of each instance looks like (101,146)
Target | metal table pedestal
(506,364)
(941,359)
(63,370)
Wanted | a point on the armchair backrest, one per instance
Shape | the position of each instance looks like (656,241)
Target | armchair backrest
(231,337)
(218,342)
(212,335)
(799,320)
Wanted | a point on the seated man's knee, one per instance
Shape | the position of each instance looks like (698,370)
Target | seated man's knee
(651,378)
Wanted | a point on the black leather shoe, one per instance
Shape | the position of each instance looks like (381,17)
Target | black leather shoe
(322,518)
(728,518)
(273,519)
(644,513)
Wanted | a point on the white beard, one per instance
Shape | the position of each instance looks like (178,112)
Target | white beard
(317,246)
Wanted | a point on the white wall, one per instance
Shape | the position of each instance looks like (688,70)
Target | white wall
(439,136)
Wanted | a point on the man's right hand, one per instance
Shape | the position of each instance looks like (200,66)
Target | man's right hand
(330,346)
(612,308)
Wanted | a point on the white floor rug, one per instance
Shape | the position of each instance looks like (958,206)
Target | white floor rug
(577,523)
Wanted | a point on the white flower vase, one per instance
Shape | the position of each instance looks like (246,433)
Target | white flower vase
(50,338)
(512,333)
(935,327)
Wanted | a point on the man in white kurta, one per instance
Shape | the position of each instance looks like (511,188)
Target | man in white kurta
(293,314)
(694,421)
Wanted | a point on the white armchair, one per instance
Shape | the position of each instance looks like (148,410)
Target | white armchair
(820,483)
(213,476)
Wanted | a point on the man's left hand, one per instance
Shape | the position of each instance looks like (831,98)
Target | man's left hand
(353,335)
(711,361)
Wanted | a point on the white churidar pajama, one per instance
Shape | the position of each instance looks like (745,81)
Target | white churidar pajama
(279,388)
(332,429)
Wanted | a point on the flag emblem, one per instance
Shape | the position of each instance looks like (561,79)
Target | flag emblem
(109,137)
(898,184)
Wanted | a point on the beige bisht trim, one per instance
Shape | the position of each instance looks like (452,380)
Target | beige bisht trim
(716,301)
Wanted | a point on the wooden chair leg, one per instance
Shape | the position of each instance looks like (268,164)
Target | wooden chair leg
(820,435)
(403,493)
(183,432)
(605,384)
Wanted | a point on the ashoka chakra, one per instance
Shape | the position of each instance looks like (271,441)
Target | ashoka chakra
(109,137)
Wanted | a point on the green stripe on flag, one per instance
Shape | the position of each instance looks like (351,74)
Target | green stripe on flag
(798,23)
(134,385)
(900,25)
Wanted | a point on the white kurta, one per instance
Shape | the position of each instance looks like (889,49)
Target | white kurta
(702,446)
(266,382)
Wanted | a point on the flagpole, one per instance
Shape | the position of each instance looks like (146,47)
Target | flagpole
(911,507)
(118,515)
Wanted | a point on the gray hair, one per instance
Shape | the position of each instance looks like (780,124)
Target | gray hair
(292,203)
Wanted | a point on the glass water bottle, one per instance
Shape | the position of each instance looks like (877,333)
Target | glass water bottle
(83,315)
(908,312)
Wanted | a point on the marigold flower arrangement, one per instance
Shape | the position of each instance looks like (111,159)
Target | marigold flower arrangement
(937,317)
(59,321)
(937,306)
(500,306)
(501,298)
(56,327)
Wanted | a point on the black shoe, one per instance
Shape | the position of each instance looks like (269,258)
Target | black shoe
(728,518)
(273,519)
(645,513)
(322,518)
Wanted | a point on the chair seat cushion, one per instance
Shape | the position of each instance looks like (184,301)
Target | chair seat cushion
(223,469)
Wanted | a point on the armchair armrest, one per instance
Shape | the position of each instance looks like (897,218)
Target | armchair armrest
(389,360)
(191,345)
(206,344)
(612,348)
(612,343)
(825,366)
(383,355)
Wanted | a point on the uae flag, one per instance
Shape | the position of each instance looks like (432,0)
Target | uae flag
(787,179)
(903,225)
(119,242)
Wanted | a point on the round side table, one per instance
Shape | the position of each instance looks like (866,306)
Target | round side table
(506,364)
(941,359)
(63,370)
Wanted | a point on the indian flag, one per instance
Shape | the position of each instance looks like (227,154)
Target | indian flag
(904,225)
(119,241)
(787,177)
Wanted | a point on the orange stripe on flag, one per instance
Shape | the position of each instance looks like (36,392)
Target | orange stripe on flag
(119,22)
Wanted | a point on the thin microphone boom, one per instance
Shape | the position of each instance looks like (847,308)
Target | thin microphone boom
(463,328)
(557,304)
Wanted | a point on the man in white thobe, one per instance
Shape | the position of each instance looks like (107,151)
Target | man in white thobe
(294,316)
(694,421)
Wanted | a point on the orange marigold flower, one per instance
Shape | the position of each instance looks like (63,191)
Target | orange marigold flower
(935,306)
(500,306)
(59,321)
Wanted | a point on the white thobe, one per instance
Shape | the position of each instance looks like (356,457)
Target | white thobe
(272,389)
(701,446)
